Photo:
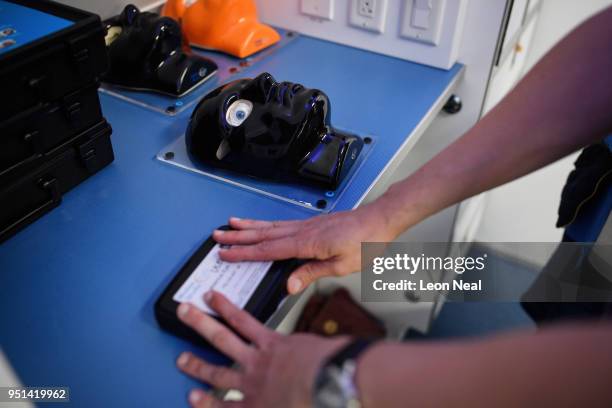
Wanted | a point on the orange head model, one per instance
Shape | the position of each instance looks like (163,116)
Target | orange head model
(230,26)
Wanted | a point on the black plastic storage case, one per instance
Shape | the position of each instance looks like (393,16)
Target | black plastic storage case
(34,194)
(27,138)
(47,69)
(52,132)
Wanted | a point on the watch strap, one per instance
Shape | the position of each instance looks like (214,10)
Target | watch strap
(335,383)
(351,351)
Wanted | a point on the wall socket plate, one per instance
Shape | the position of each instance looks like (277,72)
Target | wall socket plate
(422,20)
(368,14)
(318,8)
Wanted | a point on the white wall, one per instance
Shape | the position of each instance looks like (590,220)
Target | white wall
(557,18)
(526,209)
(286,14)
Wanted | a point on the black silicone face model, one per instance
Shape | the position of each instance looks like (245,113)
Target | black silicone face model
(276,131)
(146,52)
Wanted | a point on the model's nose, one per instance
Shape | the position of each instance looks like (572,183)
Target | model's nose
(278,93)
(266,84)
(296,88)
(286,93)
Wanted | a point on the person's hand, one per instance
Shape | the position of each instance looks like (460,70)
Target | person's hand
(331,243)
(274,371)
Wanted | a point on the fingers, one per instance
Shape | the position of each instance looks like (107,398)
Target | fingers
(217,376)
(201,399)
(308,273)
(237,318)
(215,333)
(242,224)
(272,250)
(252,236)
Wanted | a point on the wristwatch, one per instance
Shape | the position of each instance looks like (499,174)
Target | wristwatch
(335,383)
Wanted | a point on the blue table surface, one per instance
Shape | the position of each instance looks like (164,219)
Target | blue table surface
(77,287)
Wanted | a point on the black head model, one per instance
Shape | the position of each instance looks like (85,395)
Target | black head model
(147,52)
(270,130)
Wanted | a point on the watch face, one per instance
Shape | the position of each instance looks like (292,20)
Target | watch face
(335,385)
(329,390)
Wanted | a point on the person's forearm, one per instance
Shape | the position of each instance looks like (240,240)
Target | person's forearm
(564,103)
(564,366)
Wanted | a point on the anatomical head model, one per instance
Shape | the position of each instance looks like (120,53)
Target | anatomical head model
(230,26)
(147,52)
(270,130)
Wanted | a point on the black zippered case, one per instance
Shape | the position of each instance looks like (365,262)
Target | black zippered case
(34,194)
(55,65)
(27,138)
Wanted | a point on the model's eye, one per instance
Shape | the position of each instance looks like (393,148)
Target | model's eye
(238,112)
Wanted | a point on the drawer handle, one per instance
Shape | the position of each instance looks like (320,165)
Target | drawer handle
(33,142)
(54,200)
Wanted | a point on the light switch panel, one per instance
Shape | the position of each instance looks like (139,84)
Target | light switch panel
(318,8)
(421,14)
(422,20)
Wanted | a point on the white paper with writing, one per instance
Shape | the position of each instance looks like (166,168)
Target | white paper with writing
(236,280)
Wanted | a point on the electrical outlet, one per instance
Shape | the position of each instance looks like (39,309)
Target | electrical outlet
(368,14)
(366,8)
(318,8)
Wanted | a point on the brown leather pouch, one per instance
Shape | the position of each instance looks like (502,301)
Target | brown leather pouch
(338,314)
